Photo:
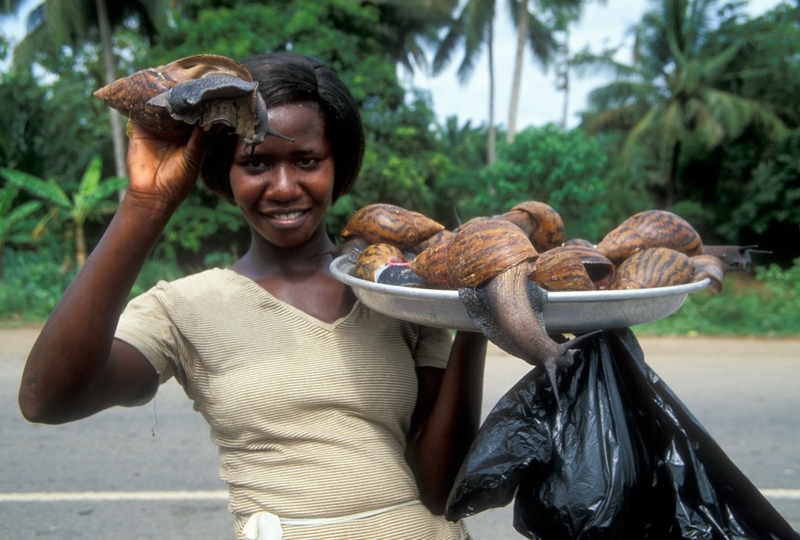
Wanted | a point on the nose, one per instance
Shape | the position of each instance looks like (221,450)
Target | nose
(283,185)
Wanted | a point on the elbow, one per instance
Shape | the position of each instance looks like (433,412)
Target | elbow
(36,410)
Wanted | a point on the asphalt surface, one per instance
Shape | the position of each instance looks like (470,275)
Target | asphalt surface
(151,472)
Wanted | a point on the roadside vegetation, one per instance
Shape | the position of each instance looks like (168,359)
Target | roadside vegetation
(700,123)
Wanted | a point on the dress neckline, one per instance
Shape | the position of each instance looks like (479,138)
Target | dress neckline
(249,283)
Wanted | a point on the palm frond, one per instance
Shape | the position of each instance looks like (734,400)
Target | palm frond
(47,190)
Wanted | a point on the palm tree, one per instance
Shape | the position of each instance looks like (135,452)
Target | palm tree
(540,35)
(471,29)
(55,23)
(89,199)
(410,27)
(669,98)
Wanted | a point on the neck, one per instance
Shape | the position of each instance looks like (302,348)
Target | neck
(264,259)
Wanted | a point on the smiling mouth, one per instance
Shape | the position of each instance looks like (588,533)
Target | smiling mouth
(287,216)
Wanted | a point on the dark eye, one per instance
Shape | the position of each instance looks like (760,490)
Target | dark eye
(255,165)
(307,162)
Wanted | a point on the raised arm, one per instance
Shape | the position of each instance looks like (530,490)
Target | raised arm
(446,418)
(76,368)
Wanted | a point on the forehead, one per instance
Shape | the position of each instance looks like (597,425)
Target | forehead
(303,122)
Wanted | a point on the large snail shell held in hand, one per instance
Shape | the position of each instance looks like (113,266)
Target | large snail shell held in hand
(204,89)
(654,267)
(540,222)
(390,224)
(649,229)
(485,248)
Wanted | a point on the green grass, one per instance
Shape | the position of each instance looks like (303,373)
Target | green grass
(767,304)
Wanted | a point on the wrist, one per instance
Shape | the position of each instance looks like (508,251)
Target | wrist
(149,205)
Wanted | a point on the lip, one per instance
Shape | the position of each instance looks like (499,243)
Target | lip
(285,217)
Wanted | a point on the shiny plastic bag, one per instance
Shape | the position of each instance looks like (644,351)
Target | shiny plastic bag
(622,458)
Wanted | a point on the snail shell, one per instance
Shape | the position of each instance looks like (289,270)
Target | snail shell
(540,222)
(390,224)
(561,269)
(649,229)
(599,269)
(203,89)
(431,265)
(373,257)
(654,267)
(442,236)
(484,248)
(578,242)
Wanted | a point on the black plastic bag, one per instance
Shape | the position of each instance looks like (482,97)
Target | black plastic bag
(622,458)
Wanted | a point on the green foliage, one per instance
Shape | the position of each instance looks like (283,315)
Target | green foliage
(89,198)
(766,208)
(767,305)
(31,285)
(564,169)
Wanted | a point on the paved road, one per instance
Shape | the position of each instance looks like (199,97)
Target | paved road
(151,472)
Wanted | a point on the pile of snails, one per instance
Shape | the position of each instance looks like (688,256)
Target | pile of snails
(654,248)
(502,266)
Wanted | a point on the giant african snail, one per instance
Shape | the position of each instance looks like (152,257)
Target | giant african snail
(488,261)
(204,89)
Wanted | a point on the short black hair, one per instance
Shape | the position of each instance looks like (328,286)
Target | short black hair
(283,78)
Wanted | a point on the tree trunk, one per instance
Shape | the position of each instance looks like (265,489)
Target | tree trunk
(565,81)
(672,180)
(111,75)
(80,245)
(490,157)
(522,34)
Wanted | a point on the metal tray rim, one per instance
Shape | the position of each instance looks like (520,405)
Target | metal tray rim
(341,268)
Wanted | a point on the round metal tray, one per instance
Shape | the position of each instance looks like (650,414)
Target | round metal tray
(564,312)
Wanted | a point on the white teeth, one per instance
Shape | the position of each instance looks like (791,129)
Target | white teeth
(291,215)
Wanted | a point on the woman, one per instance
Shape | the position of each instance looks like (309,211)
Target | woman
(332,421)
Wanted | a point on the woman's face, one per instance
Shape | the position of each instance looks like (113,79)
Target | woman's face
(284,188)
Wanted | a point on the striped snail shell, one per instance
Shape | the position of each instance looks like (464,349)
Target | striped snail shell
(203,89)
(373,257)
(442,236)
(653,267)
(540,222)
(390,224)
(484,248)
(578,242)
(649,229)
(561,269)
(431,265)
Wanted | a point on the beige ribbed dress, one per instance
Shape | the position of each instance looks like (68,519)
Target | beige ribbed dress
(310,418)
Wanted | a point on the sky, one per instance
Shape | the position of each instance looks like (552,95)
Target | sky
(540,102)
(602,25)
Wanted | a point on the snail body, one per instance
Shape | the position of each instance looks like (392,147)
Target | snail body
(708,266)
